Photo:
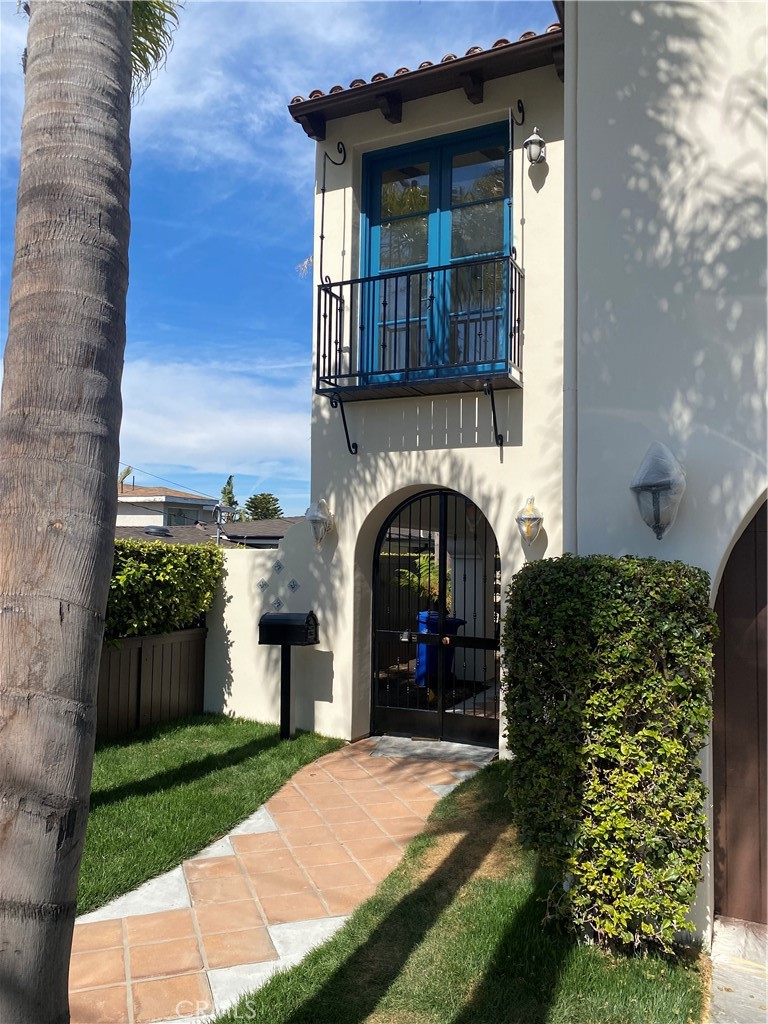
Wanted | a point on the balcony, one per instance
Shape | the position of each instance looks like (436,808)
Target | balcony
(436,330)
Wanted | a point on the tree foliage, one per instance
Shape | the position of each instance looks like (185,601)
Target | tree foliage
(608,702)
(263,506)
(228,499)
(152,26)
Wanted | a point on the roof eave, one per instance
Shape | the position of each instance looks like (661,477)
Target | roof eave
(467,73)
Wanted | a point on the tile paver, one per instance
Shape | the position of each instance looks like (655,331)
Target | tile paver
(100,1006)
(187,944)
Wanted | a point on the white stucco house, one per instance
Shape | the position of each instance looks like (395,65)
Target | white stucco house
(139,505)
(488,329)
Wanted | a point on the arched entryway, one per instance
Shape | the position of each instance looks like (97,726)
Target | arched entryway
(436,621)
(739,731)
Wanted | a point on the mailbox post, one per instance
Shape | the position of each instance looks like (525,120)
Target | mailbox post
(287,629)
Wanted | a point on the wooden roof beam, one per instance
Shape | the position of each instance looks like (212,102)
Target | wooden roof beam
(391,106)
(472,84)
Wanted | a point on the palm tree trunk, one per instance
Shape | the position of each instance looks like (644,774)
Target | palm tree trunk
(59,431)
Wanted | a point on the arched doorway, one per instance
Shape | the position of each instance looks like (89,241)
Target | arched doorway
(436,621)
(739,728)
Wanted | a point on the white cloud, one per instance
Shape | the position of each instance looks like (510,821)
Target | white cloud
(211,414)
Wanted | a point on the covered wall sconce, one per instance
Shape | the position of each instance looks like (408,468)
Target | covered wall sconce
(321,520)
(529,521)
(535,147)
(658,486)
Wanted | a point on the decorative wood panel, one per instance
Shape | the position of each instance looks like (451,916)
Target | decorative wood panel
(150,679)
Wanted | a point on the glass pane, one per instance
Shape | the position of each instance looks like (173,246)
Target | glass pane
(478,175)
(477,229)
(477,313)
(403,243)
(404,297)
(405,190)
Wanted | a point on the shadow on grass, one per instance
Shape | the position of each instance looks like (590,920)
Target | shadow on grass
(521,982)
(353,991)
(185,773)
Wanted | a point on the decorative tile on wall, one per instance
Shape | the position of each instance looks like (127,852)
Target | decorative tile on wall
(262,585)
(277,604)
(278,566)
(293,586)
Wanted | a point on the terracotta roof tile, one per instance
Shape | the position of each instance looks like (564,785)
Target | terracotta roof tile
(381,76)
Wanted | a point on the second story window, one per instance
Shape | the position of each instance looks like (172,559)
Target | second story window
(435,232)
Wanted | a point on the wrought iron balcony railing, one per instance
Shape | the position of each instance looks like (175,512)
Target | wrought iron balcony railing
(427,331)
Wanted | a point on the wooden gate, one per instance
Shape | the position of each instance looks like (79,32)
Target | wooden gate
(739,728)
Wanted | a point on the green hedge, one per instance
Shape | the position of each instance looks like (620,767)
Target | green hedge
(608,702)
(158,588)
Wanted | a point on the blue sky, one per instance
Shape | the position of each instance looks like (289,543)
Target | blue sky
(217,376)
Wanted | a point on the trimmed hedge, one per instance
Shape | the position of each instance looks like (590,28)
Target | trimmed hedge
(158,588)
(608,702)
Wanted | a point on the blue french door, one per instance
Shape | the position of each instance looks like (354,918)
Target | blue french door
(435,230)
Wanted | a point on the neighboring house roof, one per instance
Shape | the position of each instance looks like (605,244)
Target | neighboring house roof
(233,534)
(135,492)
(263,529)
(203,533)
(388,92)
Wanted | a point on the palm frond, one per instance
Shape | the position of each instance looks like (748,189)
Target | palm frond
(153,23)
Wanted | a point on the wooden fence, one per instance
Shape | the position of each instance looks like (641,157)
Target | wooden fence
(149,679)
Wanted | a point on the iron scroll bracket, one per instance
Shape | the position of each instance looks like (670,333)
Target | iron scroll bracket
(337,403)
(499,438)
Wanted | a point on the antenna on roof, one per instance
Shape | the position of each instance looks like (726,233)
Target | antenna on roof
(121,479)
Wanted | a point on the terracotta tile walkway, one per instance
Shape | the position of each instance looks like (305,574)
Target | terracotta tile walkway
(260,898)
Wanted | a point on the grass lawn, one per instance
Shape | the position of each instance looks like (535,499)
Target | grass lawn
(163,794)
(454,936)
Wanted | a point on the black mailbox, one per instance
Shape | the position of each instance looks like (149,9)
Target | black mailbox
(288,629)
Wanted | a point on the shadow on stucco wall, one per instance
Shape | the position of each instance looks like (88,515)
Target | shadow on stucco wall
(672,326)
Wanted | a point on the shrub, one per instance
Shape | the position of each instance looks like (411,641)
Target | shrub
(608,701)
(158,588)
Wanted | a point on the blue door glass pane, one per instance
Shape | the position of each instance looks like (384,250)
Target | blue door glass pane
(441,206)
(477,175)
(477,230)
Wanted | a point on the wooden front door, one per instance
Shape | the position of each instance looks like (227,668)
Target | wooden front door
(739,740)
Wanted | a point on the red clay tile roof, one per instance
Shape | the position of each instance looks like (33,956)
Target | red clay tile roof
(381,76)
(531,50)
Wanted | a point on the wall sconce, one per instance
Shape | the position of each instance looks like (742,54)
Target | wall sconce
(321,520)
(535,147)
(529,521)
(658,486)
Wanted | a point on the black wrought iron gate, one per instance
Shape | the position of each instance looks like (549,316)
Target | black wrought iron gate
(436,622)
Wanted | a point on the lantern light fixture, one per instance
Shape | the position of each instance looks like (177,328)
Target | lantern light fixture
(535,148)
(321,519)
(529,520)
(658,486)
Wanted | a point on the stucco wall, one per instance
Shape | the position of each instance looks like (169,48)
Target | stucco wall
(669,275)
(134,515)
(241,676)
(407,445)
(665,281)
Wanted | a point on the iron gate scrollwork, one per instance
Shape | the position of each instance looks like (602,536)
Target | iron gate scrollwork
(436,621)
